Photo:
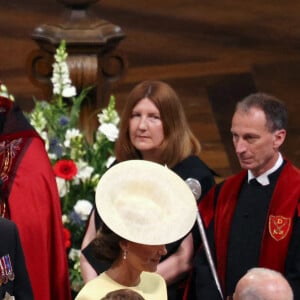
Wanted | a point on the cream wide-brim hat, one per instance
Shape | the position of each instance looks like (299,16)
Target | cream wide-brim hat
(145,202)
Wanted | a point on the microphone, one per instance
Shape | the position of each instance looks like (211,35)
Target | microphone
(195,187)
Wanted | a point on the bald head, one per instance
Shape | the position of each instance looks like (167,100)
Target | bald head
(263,284)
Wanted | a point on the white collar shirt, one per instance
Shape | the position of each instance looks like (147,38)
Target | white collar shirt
(263,179)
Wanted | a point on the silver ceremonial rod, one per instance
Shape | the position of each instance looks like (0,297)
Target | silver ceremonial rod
(195,186)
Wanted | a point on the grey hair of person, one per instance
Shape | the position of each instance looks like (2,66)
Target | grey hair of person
(275,110)
(250,294)
(263,285)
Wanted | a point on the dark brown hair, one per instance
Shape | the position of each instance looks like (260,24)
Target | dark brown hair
(275,110)
(106,245)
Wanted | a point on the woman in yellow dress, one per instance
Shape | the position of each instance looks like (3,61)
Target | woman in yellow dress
(144,206)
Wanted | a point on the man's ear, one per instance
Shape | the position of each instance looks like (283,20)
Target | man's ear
(278,138)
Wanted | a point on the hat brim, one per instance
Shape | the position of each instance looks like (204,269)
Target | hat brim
(145,202)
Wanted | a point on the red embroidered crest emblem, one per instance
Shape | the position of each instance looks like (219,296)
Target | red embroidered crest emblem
(279,227)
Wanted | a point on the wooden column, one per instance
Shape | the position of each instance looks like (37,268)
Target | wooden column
(93,59)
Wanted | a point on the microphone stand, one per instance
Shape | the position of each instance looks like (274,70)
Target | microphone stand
(195,186)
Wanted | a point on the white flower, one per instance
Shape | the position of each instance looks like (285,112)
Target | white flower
(44,135)
(71,134)
(61,81)
(69,91)
(77,266)
(52,156)
(109,114)
(109,161)
(74,254)
(83,209)
(62,186)
(95,179)
(108,117)
(84,170)
(65,219)
(110,130)
(56,88)
(38,121)
(4,92)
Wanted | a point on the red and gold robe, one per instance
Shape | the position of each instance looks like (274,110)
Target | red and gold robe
(30,198)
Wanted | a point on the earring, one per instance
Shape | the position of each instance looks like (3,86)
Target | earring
(125,254)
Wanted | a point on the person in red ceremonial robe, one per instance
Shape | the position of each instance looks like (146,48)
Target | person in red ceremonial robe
(252,218)
(29,197)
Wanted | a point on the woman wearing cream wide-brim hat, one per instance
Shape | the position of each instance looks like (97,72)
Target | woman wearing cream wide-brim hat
(143,206)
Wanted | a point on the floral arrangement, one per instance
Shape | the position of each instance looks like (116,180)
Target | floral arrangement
(77,164)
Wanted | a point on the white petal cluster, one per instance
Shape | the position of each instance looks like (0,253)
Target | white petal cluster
(61,81)
(108,116)
(69,91)
(111,131)
(84,171)
(109,161)
(52,156)
(83,208)
(71,134)
(44,136)
(65,219)
(38,121)
(62,186)
(74,254)
(4,92)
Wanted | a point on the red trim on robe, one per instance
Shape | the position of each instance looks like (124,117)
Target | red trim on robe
(16,135)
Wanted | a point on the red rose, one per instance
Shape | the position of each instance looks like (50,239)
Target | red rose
(65,169)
